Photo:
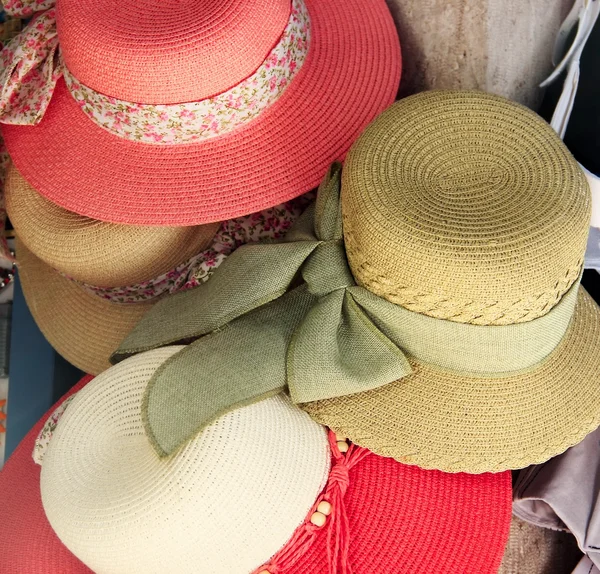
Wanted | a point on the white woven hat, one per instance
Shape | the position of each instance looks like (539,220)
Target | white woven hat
(238,489)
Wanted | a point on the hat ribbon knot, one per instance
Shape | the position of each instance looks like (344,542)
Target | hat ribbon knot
(31,64)
(277,317)
(336,521)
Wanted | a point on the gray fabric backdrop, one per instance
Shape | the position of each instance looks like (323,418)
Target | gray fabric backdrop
(500,46)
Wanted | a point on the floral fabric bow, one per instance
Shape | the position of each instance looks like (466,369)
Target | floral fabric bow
(31,64)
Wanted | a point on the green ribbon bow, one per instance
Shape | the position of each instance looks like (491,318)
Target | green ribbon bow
(260,335)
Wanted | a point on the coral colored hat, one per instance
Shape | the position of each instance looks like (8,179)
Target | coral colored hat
(263,489)
(29,545)
(195,111)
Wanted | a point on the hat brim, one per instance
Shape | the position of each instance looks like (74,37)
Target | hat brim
(440,420)
(351,74)
(82,327)
(408,520)
(97,252)
(29,545)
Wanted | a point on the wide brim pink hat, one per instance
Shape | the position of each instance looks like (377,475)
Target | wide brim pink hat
(351,73)
(28,543)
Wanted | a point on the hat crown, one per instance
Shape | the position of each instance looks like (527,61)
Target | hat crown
(167,52)
(465,206)
(229,499)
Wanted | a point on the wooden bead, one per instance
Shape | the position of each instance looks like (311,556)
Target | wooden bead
(324,508)
(318,519)
(342,446)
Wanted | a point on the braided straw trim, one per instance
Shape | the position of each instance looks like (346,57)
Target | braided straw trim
(439,306)
(464,206)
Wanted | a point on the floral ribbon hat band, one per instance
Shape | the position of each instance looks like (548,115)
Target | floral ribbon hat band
(246,71)
(263,489)
(85,323)
(357,328)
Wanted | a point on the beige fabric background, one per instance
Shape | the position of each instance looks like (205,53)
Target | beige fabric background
(500,46)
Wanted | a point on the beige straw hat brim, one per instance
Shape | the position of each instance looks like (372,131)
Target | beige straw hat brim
(84,328)
(535,550)
(437,419)
(97,252)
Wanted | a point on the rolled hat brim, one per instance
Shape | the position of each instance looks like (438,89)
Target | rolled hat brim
(441,420)
(83,327)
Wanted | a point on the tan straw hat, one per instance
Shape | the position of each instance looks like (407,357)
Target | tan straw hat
(467,208)
(96,252)
(84,328)
(86,323)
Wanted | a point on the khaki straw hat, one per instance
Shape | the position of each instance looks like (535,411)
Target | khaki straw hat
(467,208)
(96,252)
(84,328)
(439,320)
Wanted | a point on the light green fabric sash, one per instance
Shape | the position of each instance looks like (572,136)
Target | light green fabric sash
(290,316)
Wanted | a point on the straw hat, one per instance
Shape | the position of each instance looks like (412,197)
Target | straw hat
(242,496)
(81,326)
(96,252)
(29,545)
(84,322)
(439,319)
(151,107)
(467,208)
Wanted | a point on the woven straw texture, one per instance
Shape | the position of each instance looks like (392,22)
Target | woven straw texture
(438,419)
(535,550)
(96,252)
(195,44)
(350,75)
(406,520)
(235,489)
(465,206)
(84,328)
(228,501)
(29,545)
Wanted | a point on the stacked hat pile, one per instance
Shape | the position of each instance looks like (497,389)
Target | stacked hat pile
(350,395)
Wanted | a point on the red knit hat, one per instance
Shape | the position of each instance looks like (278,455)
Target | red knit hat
(194,111)
(380,517)
(387,518)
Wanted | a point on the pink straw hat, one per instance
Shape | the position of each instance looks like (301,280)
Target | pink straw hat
(191,111)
